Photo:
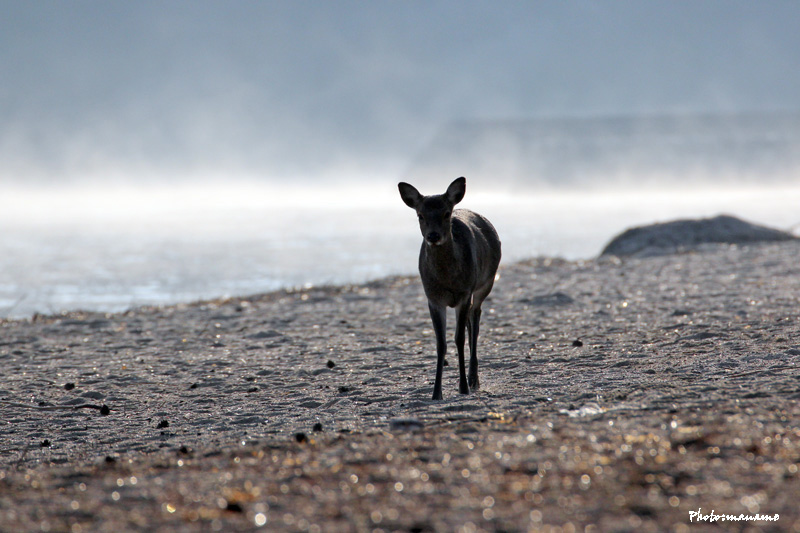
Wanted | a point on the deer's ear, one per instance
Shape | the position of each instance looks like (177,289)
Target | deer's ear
(455,192)
(409,194)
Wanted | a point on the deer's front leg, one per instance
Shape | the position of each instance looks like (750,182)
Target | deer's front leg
(439,319)
(462,314)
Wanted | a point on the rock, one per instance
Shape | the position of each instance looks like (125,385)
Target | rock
(672,236)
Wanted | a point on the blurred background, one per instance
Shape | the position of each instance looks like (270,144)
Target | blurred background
(159,152)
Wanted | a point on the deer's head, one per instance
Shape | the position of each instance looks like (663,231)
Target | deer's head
(434,212)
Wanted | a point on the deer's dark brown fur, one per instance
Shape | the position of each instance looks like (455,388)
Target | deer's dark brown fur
(457,263)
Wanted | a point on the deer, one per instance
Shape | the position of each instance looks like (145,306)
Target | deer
(458,263)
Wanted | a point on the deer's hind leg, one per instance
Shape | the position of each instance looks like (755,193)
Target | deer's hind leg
(473,324)
(473,327)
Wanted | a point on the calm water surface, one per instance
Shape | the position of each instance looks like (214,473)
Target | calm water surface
(115,249)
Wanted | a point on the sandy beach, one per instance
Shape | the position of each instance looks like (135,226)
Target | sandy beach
(635,394)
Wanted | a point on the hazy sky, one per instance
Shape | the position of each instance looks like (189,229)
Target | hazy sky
(191,88)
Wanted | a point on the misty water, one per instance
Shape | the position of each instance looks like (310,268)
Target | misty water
(552,188)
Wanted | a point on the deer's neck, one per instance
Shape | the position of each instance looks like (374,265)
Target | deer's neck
(444,259)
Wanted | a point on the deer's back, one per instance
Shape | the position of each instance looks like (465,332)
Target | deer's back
(476,232)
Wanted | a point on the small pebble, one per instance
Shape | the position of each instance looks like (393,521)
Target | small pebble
(163,424)
(300,437)
(234,507)
(577,343)
(331,364)
(406,424)
(69,386)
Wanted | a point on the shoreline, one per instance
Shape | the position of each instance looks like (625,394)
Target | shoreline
(658,379)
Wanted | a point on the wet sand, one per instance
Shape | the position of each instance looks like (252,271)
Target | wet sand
(619,394)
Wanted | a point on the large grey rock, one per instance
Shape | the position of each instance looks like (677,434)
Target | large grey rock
(669,237)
